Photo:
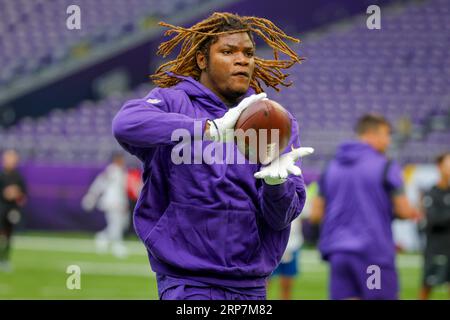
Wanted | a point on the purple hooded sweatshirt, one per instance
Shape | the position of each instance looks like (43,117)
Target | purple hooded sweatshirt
(213,223)
(357,187)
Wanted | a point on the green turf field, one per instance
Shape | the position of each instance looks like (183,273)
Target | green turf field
(40,264)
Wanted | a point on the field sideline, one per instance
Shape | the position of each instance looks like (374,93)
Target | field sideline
(40,263)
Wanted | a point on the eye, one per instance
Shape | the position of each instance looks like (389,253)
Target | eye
(226,52)
(249,54)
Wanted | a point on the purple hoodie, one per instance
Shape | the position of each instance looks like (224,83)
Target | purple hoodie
(211,223)
(358,212)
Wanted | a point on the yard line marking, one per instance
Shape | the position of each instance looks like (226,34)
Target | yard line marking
(70,245)
(58,244)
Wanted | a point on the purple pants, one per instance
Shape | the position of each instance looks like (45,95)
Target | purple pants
(187,292)
(351,277)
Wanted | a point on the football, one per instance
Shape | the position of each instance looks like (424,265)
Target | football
(263,131)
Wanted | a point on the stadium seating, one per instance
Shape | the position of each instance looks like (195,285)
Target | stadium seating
(401,71)
(33,34)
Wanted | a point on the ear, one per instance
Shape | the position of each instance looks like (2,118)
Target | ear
(201,60)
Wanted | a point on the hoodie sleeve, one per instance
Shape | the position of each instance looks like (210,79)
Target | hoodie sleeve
(280,204)
(393,178)
(146,123)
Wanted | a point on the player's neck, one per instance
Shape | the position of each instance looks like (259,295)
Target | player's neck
(204,80)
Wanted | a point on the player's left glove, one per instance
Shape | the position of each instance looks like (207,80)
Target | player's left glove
(279,169)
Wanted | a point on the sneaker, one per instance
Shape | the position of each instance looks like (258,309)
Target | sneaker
(119,251)
(101,245)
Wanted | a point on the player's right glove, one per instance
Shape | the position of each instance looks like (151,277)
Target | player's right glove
(222,129)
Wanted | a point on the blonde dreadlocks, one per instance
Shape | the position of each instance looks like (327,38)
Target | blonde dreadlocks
(200,37)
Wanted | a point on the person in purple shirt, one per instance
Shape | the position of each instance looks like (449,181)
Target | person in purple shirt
(212,230)
(360,193)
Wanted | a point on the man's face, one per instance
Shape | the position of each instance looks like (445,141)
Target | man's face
(10,160)
(229,68)
(119,161)
(444,167)
(383,138)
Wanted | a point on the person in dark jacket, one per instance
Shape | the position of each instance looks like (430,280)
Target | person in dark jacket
(436,203)
(12,198)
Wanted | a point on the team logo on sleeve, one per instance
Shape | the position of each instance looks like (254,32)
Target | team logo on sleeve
(153,101)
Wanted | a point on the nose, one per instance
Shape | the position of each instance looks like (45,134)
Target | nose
(241,59)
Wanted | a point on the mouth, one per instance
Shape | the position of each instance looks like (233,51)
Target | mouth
(241,74)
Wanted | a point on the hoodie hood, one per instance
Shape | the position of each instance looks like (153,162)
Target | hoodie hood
(351,152)
(197,91)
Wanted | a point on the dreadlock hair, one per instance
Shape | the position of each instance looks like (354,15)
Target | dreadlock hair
(203,34)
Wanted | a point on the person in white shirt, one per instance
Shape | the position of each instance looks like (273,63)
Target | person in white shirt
(108,194)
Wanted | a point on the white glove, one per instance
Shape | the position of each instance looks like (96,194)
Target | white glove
(222,129)
(279,169)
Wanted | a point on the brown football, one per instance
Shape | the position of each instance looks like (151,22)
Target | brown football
(259,145)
